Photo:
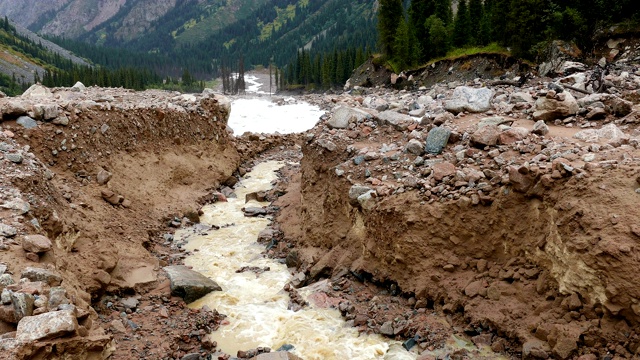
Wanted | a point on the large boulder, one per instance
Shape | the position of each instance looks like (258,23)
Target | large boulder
(47,326)
(560,106)
(470,99)
(608,132)
(393,118)
(344,115)
(37,91)
(188,284)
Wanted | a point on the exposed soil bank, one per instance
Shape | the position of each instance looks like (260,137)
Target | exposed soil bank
(118,162)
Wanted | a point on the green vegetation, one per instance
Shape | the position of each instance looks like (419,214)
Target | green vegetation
(525,27)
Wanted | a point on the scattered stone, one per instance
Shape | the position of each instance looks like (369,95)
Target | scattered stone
(111,197)
(549,109)
(540,128)
(188,284)
(470,99)
(27,122)
(22,305)
(486,136)
(344,115)
(415,147)
(398,121)
(442,170)
(39,274)
(596,114)
(7,231)
(437,140)
(6,280)
(37,91)
(36,244)
(497,121)
(103,176)
(46,326)
(387,328)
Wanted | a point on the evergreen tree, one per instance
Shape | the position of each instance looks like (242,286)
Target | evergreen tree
(419,11)
(500,10)
(475,15)
(462,25)
(402,49)
(438,36)
(390,14)
(443,11)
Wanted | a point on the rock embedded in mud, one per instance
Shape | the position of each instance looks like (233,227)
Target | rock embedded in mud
(111,197)
(356,191)
(188,284)
(46,326)
(103,176)
(36,244)
(27,122)
(470,99)
(39,274)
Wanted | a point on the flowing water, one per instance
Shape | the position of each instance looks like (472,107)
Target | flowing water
(256,305)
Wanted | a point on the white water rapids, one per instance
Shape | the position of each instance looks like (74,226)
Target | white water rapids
(256,306)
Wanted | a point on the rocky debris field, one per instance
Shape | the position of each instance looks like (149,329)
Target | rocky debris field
(511,210)
(501,211)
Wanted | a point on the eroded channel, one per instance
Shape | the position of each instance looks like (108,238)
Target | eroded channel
(257,305)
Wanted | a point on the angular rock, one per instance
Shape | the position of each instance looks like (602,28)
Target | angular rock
(57,297)
(49,325)
(473,289)
(80,86)
(551,109)
(387,328)
(366,200)
(470,99)
(496,120)
(6,280)
(15,158)
(540,128)
(437,140)
(344,115)
(327,144)
(512,135)
(356,191)
(103,176)
(521,97)
(27,122)
(37,91)
(442,170)
(39,274)
(188,284)
(596,114)
(392,118)
(7,231)
(111,197)
(486,136)
(535,349)
(620,107)
(521,179)
(36,244)
(608,132)
(61,120)
(414,147)
(22,304)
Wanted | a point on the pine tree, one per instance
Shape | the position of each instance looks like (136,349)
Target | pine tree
(462,25)
(438,36)
(419,11)
(443,11)
(475,17)
(402,46)
(390,14)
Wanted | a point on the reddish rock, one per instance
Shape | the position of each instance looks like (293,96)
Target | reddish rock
(486,136)
(442,170)
(36,243)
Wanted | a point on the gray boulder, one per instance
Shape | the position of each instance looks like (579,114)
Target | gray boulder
(392,118)
(27,122)
(470,99)
(558,107)
(39,274)
(415,147)
(49,325)
(188,284)
(343,115)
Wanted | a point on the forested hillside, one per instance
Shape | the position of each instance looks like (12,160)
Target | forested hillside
(427,29)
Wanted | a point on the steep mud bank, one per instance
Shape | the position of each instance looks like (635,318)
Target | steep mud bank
(528,245)
(558,267)
(109,164)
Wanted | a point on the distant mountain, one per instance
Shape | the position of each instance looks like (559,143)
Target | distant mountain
(24,56)
(201,34)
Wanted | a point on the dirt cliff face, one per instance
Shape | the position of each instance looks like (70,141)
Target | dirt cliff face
(100,167)
(537,248)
